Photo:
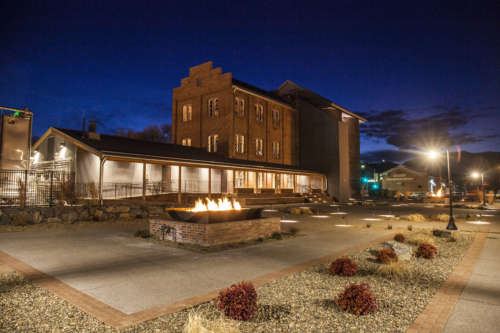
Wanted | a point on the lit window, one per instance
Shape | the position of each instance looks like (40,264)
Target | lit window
(212,143)
(213,107)
(276,117)
(187,112)
(239,143)
(259,143)
(239,106)
(186,142)
(259,112)
(276,150)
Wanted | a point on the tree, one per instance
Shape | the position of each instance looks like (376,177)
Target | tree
(152,133)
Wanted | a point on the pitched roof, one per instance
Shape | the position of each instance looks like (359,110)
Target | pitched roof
(119,146)
(269,94)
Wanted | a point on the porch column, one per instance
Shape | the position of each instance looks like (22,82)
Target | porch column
(143,181)
(294,183)
(101,172)
(179,189)
(234,181)
(209,182)
(256,183)
(310,186)
(322,184)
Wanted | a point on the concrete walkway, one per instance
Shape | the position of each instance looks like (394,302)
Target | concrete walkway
(132,275)
(478,308)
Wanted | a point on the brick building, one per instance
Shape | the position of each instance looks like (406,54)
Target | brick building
(291,126)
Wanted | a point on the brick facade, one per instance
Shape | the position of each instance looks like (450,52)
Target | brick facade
(204,83)
(216,233)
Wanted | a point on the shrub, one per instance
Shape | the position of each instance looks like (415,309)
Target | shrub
(293,231)
(198,323)
(239,301)
(142,233)
(389,226)
(419,238)
(276,235)
(394,269)
(426,250)
(410,227)
(443,217)
(386,256)
(368,225)
(416,218)
(357,299)
(343,267)
(399,238)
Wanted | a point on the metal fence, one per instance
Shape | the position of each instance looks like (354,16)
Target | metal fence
(35,187)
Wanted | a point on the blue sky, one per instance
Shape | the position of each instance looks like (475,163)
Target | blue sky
(118,61)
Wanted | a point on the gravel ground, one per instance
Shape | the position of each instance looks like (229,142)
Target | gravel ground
(302,302)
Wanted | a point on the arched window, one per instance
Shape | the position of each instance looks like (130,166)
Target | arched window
(187,112)
(213,107)
(239,106)
(259,112)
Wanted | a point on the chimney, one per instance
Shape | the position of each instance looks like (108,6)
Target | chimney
(92,134)
(92,126)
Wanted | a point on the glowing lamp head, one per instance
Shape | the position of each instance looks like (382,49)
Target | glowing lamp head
(432,154)
(475,175)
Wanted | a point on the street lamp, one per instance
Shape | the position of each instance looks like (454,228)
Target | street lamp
(477,175)
(433,155)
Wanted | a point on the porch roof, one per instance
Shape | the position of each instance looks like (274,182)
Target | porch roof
(133,149)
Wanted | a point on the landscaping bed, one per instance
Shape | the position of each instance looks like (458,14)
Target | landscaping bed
(301,302)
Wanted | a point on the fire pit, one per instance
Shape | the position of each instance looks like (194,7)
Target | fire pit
(214,223)
(214,216)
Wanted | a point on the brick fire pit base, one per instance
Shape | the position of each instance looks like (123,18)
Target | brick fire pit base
(215,233)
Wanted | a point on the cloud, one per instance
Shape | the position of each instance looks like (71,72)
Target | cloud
(387,154)
(438,125)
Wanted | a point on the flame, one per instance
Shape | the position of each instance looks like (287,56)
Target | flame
(439,193)
(221,204)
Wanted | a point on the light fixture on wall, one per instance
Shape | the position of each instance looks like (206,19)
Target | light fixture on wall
(62,151)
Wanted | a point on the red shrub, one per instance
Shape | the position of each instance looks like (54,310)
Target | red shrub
(399,238)
(343,267)
(385,256)
(357,299)
(239,301)
(427,251)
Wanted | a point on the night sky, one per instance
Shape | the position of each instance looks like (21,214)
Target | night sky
(415,71)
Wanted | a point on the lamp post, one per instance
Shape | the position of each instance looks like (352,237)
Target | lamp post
(451,223)
(477,175)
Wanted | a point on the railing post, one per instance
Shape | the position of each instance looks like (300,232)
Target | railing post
(143,181)
(209,182)
(25,187)
(51,199)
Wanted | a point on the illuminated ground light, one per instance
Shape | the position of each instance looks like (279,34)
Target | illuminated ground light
(343,225)
(399,205)
(388,216)
(304,207)
(479,215)
(478,222)
(371,219)
(321,216)
(270,210)
(338,213)
(334,205)
(429,206)
(289,221)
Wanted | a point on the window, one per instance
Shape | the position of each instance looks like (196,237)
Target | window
(276,117)
(239,106)
(239,143)
(187,112)
(259,143)
(213,107)
(259,112)
(186,142)
(276,150)
(212,143)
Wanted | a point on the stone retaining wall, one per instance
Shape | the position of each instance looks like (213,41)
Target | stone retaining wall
(86,212)
(215,233)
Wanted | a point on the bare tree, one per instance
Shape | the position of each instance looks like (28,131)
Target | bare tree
(153,133)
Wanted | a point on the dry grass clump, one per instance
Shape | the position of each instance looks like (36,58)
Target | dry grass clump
(419,238)
(8,280)
(443,217)
(394,270)
(198,323)
(416,218)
